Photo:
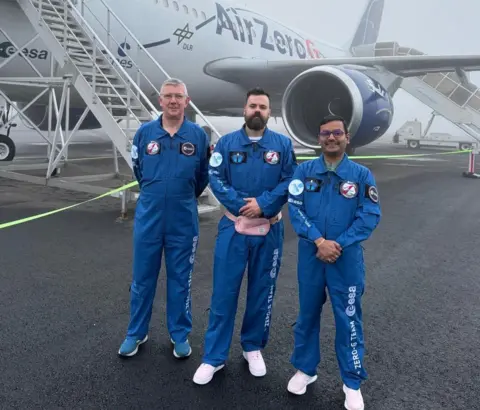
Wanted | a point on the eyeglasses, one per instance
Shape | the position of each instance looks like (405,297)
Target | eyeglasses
(171,96)
(335,133)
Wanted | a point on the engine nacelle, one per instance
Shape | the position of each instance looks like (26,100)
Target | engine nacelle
(363,102)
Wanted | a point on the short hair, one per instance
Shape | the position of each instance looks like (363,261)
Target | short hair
(330,118)
(174,82)
(257,91)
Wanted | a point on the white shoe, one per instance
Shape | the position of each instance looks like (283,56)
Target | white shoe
(353,399)
(299,382)
(205,373)
(256,365)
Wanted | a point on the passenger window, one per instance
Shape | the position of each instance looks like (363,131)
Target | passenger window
(195,14)
(175,6)
(204,17)
(185,9)
(165,3)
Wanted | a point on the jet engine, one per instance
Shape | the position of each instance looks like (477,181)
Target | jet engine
(363,102)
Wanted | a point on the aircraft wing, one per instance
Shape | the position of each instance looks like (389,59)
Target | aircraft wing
(271,73)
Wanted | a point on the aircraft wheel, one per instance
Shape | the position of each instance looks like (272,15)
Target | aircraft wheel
(464,146)
(413,144)
(7,148)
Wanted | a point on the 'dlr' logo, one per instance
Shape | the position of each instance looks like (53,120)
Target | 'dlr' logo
(7,49)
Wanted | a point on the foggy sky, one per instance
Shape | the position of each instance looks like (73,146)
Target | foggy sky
(431,26)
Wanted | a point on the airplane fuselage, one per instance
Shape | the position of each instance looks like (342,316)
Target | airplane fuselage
(182,36)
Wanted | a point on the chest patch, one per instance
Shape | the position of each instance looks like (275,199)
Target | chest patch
(188,149)
(271,157)
(349,189)
(238,157)
(313,185)
(153,148)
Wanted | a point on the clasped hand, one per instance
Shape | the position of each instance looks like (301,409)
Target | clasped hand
(251,209)
(328,251)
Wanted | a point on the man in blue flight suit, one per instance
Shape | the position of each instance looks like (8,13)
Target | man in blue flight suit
(170,161)
(333,206)
(250,170)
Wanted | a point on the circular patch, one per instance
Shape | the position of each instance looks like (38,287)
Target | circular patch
(272,157)
(349,189)
(373,194)
(153,148)
(296,187)
(216,159)
(188,149)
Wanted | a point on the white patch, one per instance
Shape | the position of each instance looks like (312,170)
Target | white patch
(216,159)
(349,189)
(296,187)
(134,152)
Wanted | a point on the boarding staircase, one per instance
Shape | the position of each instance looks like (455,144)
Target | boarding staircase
(450,94)
(111,94)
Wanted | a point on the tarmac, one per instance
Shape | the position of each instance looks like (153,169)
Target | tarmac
(64,305)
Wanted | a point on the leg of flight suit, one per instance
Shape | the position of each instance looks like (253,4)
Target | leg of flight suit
(230,261)
(346,282)
(147,258)
(263,267)
(312,297)
(179,263)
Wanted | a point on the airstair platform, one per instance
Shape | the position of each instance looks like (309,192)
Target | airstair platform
(118,101)
(450,94)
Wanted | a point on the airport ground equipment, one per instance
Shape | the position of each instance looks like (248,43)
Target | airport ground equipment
(91,71)
(410,134)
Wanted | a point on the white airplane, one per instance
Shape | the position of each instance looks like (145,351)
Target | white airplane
(221,49)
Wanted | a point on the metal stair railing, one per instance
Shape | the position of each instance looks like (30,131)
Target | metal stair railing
(83,6)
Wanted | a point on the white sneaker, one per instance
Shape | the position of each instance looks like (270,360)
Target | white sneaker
(256,365)
(299,382)
(353,399)
(205,373)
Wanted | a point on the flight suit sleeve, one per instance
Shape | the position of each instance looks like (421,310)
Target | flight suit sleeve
(367,215)
(137,156)
(296,208)
(219,183)
(271,202)
(202,172)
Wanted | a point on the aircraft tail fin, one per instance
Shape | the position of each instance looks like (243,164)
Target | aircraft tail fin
(369,25)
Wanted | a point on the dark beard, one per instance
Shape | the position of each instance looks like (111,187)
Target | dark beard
(255,123)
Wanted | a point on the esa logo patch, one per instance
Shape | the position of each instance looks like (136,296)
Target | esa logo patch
(349,189)
(153,148)
(271,157)
(371,193)
(188,149)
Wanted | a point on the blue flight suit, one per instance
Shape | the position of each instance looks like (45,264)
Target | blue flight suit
(172,172)
(343,206)
(240,168)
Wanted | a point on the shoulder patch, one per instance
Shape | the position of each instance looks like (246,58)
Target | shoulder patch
(215,160)
(371,193)
(296,187)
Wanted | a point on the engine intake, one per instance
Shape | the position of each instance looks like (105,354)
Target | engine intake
(320,91)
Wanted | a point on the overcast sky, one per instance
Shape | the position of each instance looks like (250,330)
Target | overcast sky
(431,26)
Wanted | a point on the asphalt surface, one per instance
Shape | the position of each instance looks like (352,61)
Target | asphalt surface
(64,306)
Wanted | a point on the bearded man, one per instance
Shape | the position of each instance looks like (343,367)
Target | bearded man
(249,173)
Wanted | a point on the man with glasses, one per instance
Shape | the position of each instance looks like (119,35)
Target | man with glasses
(170,160)
(334,206)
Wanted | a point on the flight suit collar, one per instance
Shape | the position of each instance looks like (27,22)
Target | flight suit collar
(341,170)
(245,140)
(181,133)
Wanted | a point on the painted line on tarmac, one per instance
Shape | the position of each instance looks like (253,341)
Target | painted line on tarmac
(134,183)
(396,156)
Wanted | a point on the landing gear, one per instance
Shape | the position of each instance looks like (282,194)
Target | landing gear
(7,146)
